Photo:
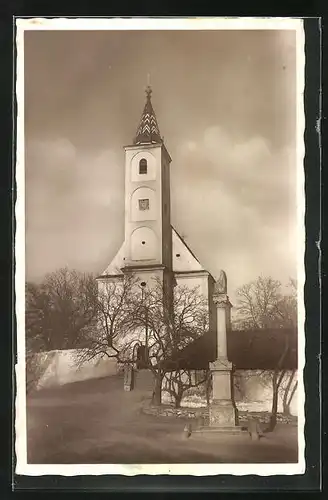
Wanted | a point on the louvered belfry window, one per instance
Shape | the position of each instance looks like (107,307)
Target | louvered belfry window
(143,166)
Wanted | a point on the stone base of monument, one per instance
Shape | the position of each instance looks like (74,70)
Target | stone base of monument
(222,419)
(222,414)
(231,430)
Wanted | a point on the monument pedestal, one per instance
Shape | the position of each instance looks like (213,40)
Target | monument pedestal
(222,412)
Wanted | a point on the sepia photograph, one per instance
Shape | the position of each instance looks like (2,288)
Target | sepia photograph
(160,246)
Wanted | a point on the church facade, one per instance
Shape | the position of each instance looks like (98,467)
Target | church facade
(152,247)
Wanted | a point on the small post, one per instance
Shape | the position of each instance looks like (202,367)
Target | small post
(128,377)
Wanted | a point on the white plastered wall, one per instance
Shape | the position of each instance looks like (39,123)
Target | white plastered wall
(182,258)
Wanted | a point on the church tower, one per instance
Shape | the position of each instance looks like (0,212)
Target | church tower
(147,196)
(152,247)
(147,247)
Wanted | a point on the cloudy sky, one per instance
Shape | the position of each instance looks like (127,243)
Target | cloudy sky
(225,104)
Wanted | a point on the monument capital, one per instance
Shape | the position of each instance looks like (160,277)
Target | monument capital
(220,364)
(221,300)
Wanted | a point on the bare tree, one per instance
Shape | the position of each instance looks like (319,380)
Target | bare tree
(172,322)
(263,305)
(115,331)
(180,381)
(60,310)
(257,303)
(37,315)
(287,306)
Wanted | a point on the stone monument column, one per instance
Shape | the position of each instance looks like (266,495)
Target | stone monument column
(222,411)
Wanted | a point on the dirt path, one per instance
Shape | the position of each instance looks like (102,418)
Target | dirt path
(97,422)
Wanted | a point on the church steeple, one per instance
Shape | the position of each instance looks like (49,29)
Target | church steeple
(148,130)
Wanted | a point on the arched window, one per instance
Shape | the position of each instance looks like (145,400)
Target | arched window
(143,166)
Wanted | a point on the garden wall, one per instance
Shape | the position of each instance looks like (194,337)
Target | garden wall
(252,392)
(53,368)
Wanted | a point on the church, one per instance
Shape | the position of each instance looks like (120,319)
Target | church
(152,247)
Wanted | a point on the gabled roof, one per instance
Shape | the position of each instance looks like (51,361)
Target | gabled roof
(148,130)
(187,262)
(184,243)
(116,264)
(183,257)
(262,349)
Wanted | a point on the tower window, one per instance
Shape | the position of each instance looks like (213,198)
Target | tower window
(144,204)
(143,166)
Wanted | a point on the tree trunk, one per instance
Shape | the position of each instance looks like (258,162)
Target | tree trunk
(291,397)
(288,396)
(157,392)
(276,381)
(274,410)
(178,399)
(286,409)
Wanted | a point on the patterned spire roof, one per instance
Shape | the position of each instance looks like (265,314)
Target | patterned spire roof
(148,131)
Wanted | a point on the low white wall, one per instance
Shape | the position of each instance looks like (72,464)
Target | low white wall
(252,392)
(61,367)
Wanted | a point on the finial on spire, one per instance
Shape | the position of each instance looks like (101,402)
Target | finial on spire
(148,88)
(148,91)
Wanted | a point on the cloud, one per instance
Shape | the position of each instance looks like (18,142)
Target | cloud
(241,203)
(225,102)
(72,206)
(239,216)
(239,213)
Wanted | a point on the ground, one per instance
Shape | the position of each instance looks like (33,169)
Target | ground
(95,421)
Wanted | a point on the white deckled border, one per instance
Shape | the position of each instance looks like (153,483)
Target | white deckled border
(300,192)
(22,467)
(20,424)
(141,23)
(157,469)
